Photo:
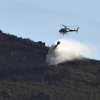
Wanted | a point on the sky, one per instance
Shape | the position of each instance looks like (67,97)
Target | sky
(40,20)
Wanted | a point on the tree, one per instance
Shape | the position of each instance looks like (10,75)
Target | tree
(6,95)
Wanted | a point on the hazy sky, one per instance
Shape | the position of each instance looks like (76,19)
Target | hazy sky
(40,20)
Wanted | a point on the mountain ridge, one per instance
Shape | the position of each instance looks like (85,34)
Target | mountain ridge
(25,75)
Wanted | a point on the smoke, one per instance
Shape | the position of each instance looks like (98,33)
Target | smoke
(67,50)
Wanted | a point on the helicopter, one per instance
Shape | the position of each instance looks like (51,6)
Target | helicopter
(66,30)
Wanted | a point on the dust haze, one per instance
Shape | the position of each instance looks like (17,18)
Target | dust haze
(67,50)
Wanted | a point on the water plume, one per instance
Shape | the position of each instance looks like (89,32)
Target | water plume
(67,50)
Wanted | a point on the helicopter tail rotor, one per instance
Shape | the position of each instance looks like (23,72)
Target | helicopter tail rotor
(77,30)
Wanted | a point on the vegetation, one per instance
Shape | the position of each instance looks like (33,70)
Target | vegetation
(24,75)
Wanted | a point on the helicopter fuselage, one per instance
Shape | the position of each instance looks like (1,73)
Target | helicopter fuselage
(66,30)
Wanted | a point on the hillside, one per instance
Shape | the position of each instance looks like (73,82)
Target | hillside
(24,75)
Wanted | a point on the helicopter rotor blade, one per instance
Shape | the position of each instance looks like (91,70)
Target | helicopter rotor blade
(63,25)
(68,26)
(71,26)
